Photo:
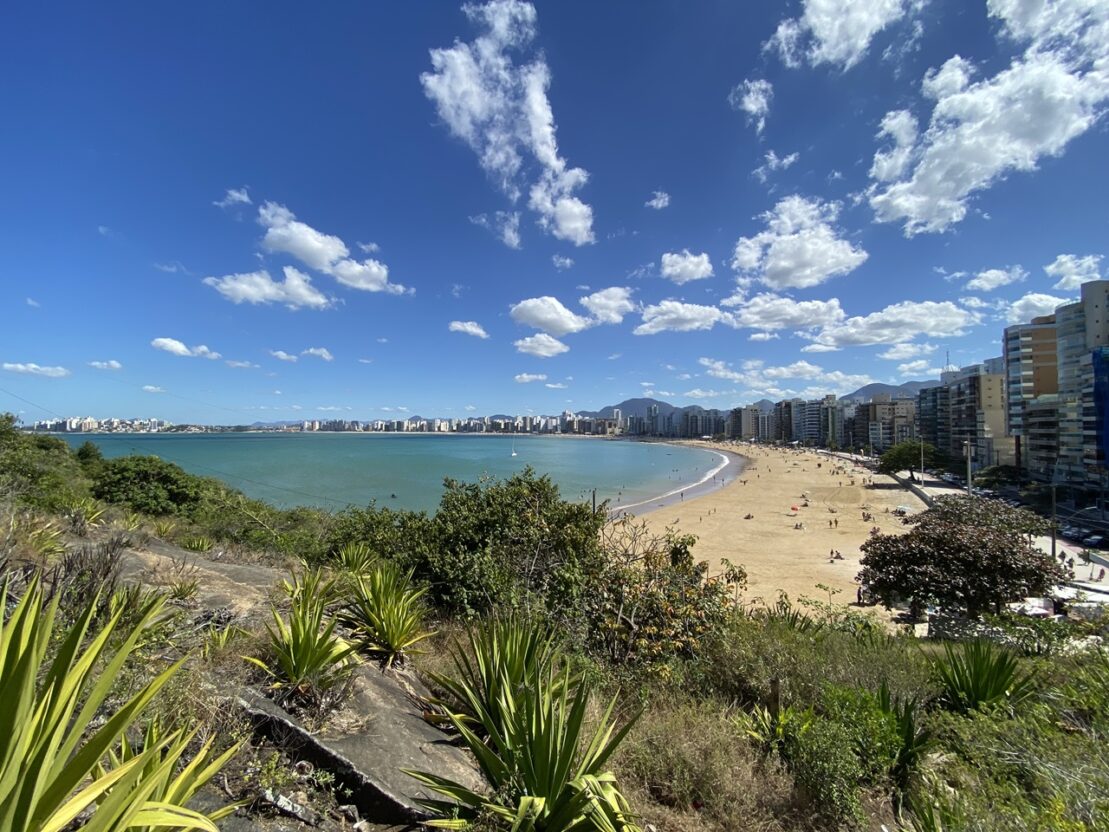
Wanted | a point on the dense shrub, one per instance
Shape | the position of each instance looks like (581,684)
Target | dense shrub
(872,730)
(827,771)
(38,470)
(149,485)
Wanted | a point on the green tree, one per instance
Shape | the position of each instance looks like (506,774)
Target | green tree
(89,457)
(905,456)
(964,552)
(38,470)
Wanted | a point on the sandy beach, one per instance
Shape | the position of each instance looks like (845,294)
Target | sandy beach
(777,554)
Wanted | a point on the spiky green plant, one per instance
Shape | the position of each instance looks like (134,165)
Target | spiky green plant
(197,543)
(505,656)
(980,673)
(83,516)
(175,790)
(164,529)
(49,749)
(309,661)
(387,612)
(545,770)
(770,729)
(355,558)
(131,522)
(312,583)
(46,540)
(915,741)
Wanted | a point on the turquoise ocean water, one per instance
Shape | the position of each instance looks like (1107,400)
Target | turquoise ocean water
(339,469)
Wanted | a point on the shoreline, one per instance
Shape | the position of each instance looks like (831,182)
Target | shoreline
(728,471)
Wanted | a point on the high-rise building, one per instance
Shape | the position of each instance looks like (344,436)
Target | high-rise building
(1031,370)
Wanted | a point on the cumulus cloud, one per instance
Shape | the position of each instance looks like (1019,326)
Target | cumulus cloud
(175,347)
(233,197)
(325,253)
(319,352)
(561,262)
(152,388)
(540,345)
(106,365)
(675,316)
(981,131)
(36,370)
(990,279)
(609,306)
(899,323)
(658,200)
(918,368)
(753,97)
(684,266)
(1071,271)
(902,352)
(763,336)
(549,315)
(800,247)
(1032,305)
(528,378)
(837,32)
(295,291)
(468,328)
(760,379)
(281,355)
(243,365)
(500,108)
(557,385)
(504,224)
(772,162)
(900,127)
(769,312)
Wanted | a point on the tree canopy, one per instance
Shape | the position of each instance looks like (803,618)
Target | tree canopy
(905,456)
(967,553)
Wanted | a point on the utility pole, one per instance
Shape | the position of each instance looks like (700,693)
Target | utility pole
(969,476)
(1053,519)
(922,462)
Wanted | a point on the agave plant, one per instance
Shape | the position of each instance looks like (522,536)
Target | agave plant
(387,612)
(175,790)
(197,543)
(49,749)
(309,660)
(314,584)
(46,540)
(164,529)
(505,657)
(355,558)
(770,729)
(915,741)
(131,522)
(979,673)
(83,516)
(544,769)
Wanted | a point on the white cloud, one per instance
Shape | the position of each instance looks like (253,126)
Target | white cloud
(768,311)
(684,266)
(762,336)
(615,356)
(900,126)
(470,408)
(548,315)
(1032,305)
(561,262)
(151,388)
(295,291)
(763,380)
(990,279)
(1073,271)
(369,248)
(36,370)
(242,365)
(902,352)
(319,352)
(528,378)
(609,306)
(323,252)
(674,316)
(233,196)
(698,393)
(33,303)
(898,323)
(658,200)
(800,247)
(980,131)
(501,110)
(176,267)
(918,368)
(772,163)
(541,345)
(753,97)
(973,303)
(365,361)
(175,347)
(468,328)
(281,355)
(834,31)
(106,365)
(819,348)
(504,224)
(558,385)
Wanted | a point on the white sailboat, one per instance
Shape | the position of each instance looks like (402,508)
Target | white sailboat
(514,446)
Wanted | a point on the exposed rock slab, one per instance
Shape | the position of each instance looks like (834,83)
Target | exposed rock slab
(379,731)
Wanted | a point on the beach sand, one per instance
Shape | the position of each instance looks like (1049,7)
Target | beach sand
(777,556)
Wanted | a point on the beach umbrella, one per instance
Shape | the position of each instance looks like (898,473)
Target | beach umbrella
(793,508)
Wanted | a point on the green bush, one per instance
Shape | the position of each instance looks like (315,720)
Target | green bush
(39,471)
(149,485)
(386,613)
(873,730)
(979,673)
(827,771)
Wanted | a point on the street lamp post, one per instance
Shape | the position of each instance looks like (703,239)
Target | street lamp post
(969,475)
(922,462)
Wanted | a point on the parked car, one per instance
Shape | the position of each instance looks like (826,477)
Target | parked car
(1094,541)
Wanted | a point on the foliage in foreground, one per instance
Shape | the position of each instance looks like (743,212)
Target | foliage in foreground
(387,612)
(49,749)
(978,674)
(545,769)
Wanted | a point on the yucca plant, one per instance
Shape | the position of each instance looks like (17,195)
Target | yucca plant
(387,612)
(46,540)
(980,673)
(312,583)
(505,656)
(915,741)
(197,543)
(544,769)
(355,558)
(83,516)
(175,790)
(49,749)
(309,661)
(164,529)
(770,729)
(131,522)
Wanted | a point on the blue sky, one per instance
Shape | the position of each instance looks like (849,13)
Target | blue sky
(710,202)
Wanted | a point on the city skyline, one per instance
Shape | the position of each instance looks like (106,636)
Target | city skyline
(520,208)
